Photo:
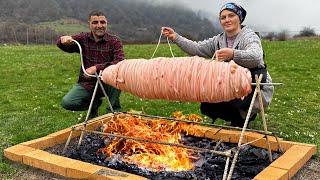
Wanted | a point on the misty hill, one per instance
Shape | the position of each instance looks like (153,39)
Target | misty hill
(133,21)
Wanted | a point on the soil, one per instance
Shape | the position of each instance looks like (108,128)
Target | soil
(310,171)
(25,172)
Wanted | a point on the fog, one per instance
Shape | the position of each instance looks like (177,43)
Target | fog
(267,15)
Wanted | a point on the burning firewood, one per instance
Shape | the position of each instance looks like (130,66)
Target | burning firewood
(152,156)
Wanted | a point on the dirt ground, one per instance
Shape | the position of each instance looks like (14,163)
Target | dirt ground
(311,171)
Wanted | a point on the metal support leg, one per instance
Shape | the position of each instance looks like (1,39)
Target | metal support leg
(225,173)
(94,93)
(88,113)
(263,117)
(104,91)
(68,141)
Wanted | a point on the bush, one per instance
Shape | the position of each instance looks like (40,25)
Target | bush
(283,35)
(270,36)
(306,32)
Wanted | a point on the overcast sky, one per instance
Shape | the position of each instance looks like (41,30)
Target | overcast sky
(268,15)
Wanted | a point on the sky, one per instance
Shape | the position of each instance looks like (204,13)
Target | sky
(267,15)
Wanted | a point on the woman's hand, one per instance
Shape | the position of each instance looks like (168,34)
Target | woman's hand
(224,54)
(169,33)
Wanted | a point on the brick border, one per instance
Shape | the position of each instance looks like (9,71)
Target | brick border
(31,153)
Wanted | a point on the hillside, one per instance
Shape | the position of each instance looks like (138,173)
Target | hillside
(133,21)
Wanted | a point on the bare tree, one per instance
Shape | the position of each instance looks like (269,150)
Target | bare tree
(283,35)
(306,32)
(271,36)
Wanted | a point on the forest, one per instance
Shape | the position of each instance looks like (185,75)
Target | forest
(133,21)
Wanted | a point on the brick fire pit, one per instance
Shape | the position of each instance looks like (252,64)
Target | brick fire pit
(32,153)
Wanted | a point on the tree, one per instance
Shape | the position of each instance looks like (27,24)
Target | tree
(306,32)
(132,21)
(283,35)
(270,36)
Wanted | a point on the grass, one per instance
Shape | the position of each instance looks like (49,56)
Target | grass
(65,26)
(35,78)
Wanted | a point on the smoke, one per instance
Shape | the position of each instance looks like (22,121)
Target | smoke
(264,16)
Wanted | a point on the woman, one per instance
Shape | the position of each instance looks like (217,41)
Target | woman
(237,43)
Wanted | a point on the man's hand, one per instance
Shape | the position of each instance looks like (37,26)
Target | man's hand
(169,33)
(91,70)
(224,54)
(65,40)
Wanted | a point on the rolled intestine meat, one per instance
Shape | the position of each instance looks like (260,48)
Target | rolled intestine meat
(190,79)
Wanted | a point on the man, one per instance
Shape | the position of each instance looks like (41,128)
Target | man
(100,49)
(240,44)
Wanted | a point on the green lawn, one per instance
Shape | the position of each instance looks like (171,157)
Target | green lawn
(64,26)
(35,78)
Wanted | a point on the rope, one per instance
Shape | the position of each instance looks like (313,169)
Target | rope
(214,57)
(81,59)
(159,40)
(170,47)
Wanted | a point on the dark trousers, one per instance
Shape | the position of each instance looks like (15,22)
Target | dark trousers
(78,99)
(228,111)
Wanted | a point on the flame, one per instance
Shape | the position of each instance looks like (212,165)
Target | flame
(190,117)
(151,156)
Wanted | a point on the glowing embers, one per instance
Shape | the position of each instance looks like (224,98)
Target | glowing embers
(152,156)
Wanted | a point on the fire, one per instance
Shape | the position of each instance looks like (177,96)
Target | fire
(190,117)
(151,156)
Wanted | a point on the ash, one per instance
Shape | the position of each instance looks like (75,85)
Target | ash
(207,165)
